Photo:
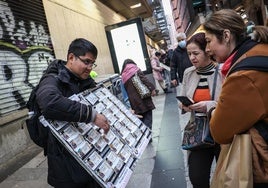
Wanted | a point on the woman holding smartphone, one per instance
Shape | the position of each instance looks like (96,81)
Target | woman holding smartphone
(197,86)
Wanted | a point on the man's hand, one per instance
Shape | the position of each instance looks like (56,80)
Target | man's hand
(102,122)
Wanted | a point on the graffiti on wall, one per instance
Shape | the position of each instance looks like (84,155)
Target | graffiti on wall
(25,52)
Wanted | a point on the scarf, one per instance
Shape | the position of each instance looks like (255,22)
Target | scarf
(129,71)
(239,50)
(227,65)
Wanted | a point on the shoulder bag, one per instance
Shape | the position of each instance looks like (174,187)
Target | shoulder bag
(141,88)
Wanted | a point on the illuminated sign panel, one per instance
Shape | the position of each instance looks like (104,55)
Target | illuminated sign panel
(127,41)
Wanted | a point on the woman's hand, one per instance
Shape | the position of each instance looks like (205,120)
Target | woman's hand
(138,116)
(185,108)
(174,82)
(199,106)
(153,93)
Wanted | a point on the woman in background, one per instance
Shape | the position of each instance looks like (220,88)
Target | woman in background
(197,84)
(143,107)
(157,71)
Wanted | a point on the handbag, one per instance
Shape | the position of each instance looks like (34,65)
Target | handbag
(196,133)
(141,88)
(234,166)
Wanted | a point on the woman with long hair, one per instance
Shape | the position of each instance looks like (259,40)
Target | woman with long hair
(243,99)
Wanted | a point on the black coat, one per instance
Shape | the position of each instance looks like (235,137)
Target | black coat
(52,98)
(179,62)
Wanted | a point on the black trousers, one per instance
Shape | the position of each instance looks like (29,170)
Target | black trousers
(199,163)
(147,118)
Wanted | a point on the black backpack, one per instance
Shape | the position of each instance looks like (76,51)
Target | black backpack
(38,133)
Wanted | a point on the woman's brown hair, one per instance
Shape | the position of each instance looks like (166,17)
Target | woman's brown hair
(226,19)
(260,34)
(198,39)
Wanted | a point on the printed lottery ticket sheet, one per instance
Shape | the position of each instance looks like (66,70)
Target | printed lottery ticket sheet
(109,158)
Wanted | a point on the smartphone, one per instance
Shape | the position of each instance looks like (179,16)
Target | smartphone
(186,101)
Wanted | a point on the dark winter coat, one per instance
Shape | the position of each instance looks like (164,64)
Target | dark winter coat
(179,62)
(52,98)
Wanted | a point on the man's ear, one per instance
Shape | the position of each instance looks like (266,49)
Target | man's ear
(70,59)
(70,56)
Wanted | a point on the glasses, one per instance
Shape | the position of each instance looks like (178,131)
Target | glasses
(87,62)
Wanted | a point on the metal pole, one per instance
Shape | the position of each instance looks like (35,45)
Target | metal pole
(208,7)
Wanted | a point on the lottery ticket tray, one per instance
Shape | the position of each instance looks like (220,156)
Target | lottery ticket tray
(109,158)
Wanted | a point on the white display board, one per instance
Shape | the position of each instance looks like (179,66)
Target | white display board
(109,158)
(127,45)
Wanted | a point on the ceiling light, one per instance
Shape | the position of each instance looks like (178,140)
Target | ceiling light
(135,6)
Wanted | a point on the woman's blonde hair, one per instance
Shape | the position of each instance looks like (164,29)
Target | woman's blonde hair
(226,19)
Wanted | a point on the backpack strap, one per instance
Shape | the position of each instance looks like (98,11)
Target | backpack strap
(259,63)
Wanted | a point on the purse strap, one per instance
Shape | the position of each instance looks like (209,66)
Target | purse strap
(214,82)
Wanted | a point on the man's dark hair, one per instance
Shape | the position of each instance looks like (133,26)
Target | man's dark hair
(81,46)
